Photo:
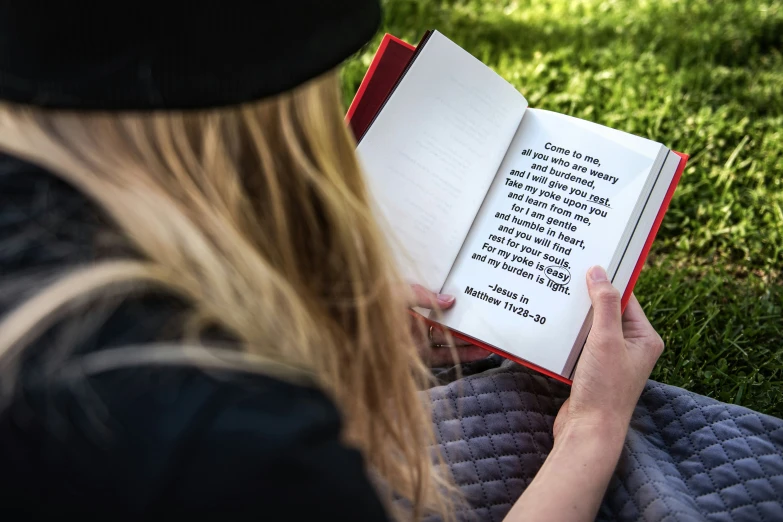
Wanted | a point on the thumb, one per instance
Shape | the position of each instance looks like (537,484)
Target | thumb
(607,318)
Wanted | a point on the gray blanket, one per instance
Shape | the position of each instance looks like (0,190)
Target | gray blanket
(686,457)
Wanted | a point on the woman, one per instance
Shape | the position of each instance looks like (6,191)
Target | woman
(199,314)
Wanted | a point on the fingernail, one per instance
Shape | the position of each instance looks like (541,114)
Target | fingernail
(598,274)
(444,299)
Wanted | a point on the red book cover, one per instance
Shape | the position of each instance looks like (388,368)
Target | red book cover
(388,64)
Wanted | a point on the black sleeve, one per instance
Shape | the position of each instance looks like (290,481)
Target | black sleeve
(149,443)
(274,456)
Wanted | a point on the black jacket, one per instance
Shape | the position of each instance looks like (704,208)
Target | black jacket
(147,441)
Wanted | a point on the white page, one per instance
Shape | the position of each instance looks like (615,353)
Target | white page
(433,151)
(635,246)
(626,163)
(626,257)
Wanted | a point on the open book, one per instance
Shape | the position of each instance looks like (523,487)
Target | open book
(504,206)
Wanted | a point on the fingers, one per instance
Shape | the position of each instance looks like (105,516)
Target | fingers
(606,303)
(440,349)
(439,337)
(424,298)
(444,356)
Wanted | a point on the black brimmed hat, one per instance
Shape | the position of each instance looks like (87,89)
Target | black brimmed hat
(164,55)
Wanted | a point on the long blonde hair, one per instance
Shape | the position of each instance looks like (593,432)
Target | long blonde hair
(259,218)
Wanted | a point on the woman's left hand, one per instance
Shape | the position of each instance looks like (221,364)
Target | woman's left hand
(434,347)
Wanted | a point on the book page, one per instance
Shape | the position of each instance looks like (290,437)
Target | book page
(565,197)
(629,252)
(432,153)
(656,197)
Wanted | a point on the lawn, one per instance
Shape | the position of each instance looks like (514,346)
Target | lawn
(703,77)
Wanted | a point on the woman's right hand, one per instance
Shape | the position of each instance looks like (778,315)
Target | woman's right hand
(591,426)
(617,359)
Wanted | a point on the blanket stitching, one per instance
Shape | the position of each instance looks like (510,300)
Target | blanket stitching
(538,402)
(655,487)
(475,467)
(631,496)
(701,461)
(729,510)
(526,410)
(742,482)
(508,423)
(686,480)
(684,406)
(659,495)
(696,405)
(767,432)
(720,442)
(491,443)
(501,455)
(504,432)
(451,396)
(731,462)
(688,489)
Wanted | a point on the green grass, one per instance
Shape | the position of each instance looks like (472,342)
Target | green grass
(703,77)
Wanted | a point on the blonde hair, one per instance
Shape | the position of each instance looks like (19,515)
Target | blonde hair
(259,218)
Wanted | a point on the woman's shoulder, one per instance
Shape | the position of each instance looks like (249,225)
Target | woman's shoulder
(148,439)
(157,440)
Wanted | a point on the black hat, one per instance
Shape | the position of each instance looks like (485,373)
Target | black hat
(146,55)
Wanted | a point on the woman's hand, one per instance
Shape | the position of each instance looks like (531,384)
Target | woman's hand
(434,344)
(591,426)
(617,359)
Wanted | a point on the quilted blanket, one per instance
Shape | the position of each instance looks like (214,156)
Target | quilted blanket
(686,457)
